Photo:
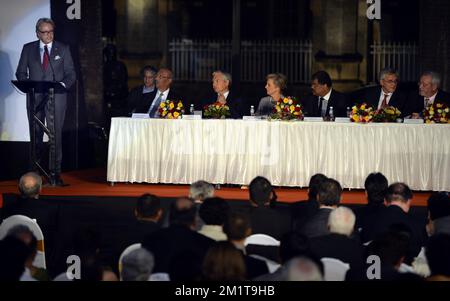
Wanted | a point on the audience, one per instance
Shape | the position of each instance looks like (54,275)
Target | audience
(437,253)
(137,265)
(304,269)
(214,212)
(438,213)
(201,190)
(224,262)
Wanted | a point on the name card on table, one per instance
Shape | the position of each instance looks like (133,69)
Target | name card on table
(413,121)
(342,120)
(192,117)
(313,119)
(251,117)
(140,115)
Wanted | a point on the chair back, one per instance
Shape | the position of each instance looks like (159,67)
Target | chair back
(335,269)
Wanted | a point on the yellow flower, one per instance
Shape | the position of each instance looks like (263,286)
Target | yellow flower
(292,108)
(278,109)
(164,113)
(170,115)
(217,107)
(180,104)
(363,107)
(171,105)
(367,118)
(285,100)
(447,110)
(176,114)
(438,105)
(163,105)
(355,117)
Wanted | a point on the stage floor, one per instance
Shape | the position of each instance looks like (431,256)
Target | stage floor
(92,182)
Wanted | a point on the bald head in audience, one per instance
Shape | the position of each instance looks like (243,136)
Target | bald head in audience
(30,185)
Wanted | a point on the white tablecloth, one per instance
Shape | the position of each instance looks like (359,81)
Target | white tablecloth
(287,153)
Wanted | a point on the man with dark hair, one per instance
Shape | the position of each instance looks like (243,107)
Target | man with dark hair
(141,94)
(237,228)
(214,212)
(398,202)
(439,213)
(301,211)
(323,97)
(376,186)
(266,217)
(180,237)
(437,253)
(386,94)
(329,197)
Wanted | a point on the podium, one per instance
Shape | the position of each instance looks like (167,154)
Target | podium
(32,88)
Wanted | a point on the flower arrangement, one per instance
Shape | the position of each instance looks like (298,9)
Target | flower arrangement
(436,113)
(361,113)
(387,114)
(287,109)
(171,109)
(216,110)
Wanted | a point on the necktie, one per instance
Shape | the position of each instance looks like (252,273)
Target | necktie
(427,102)
(320,105)
(154,109)
(384,103)
(322,111)
(45,58)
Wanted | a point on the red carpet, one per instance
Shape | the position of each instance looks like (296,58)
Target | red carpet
(92,182)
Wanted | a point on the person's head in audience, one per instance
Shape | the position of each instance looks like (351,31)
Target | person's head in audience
(13,256)
(148,207)
(214,211)
(329,194)
(399,194)
(429,84)
(137,265)
(275,85)
(376,186)
(237,228)
(30,185)
(341,221)
(388,80)
(391,247)
(293,244)
(438,213)
(148,74)
(221,82)
(261,192)
(223,262)
(163,79)
(437,253)
(24,234)
(183,213)
(200,190)
(303,268)
(321,83)
(314,184)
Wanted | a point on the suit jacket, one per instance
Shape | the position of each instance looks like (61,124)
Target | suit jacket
(30,66)
(145,106)
(265,106)
(416,102)
(398,99)
(136,99)
(302,211)
(269,221)
(337,100)
(317,225)
(233,102)
(340,247)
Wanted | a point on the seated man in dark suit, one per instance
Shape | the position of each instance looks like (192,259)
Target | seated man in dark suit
(162,93)
(221,84)
(168,244)
(264,216)
(324,97)
(398,202)
(140,94)
(386,94)
(429,93)
(338,244)
(329,197)
(301,211)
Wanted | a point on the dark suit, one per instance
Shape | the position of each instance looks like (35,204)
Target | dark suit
(317,225)
(337,100)
(302,211)
(398,99)
(136,99)
(233,102)
(416,102)
(145,106)
(60,69)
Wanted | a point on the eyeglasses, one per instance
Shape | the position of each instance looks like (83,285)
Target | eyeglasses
(46,32)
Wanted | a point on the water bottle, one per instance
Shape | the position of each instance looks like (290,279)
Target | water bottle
(252,110)
(331,114)
(191,109)
(349,112)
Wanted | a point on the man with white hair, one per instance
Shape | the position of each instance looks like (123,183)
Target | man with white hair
(338,244)
(201,190)
(137,265)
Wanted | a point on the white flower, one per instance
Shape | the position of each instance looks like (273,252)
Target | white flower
(57,57)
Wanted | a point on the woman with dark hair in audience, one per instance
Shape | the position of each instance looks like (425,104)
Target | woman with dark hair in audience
(224,262)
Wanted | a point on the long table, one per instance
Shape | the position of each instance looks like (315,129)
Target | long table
(287,153)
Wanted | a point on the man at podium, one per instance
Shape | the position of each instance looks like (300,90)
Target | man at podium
(47,60)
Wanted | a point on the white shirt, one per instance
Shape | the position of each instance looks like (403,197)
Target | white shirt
(431,99)
(224,94)
(380,101)
(41,49)
(163,98)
